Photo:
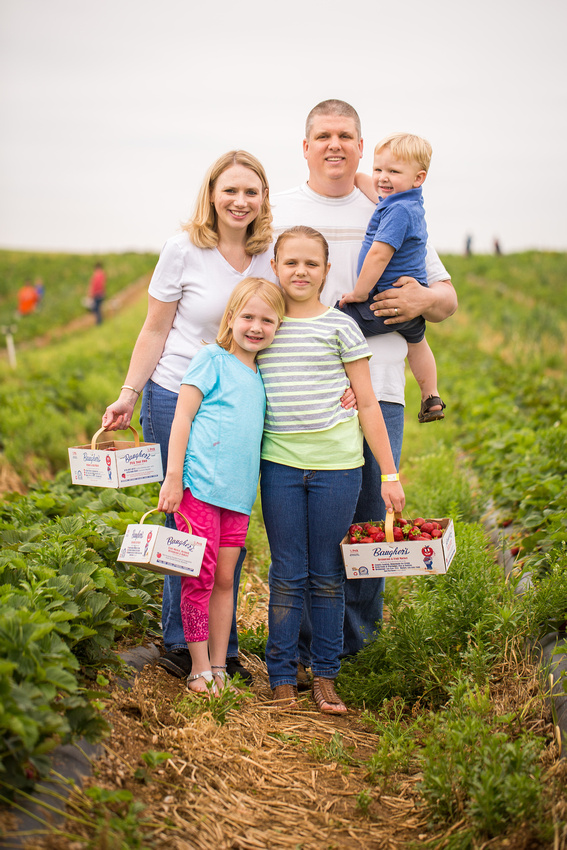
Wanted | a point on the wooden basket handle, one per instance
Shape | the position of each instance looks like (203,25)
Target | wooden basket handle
(389,524)
(103,430)
(155,510)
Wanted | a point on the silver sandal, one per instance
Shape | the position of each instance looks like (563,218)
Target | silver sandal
(208,677)
(223,676)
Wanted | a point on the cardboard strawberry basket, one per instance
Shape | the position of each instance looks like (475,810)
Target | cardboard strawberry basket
(376,558)
(161,549)
(115,463)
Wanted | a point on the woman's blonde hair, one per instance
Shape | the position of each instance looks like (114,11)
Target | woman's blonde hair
(241,294)
(203,227)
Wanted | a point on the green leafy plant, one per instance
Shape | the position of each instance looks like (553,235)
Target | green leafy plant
(473,765)
(363,800)
(219,707)
(335,750)
(396,742)
(118,822)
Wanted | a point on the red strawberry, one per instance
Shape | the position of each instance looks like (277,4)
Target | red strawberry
(414,532)
(427,527)
(400,522)
(366,540)
(380,536)
(419,521)
(426,536)
(437,533)
(398,533)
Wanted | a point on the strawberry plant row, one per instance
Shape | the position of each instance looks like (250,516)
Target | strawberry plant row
(64,600)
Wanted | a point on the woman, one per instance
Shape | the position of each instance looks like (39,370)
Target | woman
(227,239)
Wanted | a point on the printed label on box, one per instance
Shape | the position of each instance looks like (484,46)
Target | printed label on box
(164,550)
(116,464)
(407,558)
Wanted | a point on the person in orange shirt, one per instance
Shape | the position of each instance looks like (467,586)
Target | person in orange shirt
(27,299)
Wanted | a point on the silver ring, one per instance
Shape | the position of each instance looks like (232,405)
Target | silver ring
(396,310)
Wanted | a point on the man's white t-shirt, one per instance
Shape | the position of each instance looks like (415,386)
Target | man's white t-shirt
(343,223)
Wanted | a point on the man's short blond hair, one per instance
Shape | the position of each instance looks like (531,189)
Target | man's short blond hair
(407,147)
(333,107)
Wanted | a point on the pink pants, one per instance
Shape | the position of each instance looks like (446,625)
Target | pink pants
(222,528)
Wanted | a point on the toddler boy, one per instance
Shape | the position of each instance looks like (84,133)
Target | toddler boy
(395,246)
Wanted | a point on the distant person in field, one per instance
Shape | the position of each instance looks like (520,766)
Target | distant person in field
(97,291)
(40,291)
(394,246)
(27,299)
(468,246)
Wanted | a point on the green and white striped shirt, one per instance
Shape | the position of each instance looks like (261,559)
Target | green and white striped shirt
(303,372)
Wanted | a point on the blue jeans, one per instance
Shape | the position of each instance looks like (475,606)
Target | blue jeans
(306,514)
(364,598)
(156,416)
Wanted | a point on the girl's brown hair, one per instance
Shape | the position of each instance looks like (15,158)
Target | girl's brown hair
(302,230)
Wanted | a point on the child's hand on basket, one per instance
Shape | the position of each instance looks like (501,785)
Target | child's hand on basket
(170,495)
(393,495)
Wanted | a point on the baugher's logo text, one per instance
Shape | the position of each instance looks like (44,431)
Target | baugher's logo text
(141,455)
(397,551)
(186,544)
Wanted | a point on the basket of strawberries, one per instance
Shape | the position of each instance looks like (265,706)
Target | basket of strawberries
(398,546)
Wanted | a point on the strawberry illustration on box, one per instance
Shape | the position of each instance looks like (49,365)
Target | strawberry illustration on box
(399,546)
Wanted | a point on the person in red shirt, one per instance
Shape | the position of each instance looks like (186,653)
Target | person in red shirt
(97,291)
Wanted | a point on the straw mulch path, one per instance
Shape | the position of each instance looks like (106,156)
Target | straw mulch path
(266,779)
(254,781)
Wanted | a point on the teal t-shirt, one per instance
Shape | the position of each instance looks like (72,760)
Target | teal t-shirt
(222,461)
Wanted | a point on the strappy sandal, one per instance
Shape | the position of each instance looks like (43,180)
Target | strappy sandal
(426,414)
(285,696)
(210,689)
(324,694)
(223,677)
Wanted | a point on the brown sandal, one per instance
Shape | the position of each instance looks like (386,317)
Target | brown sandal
(285,696)
(426,414)
(324,694)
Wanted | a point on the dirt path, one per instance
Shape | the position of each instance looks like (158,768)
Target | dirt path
(266,778)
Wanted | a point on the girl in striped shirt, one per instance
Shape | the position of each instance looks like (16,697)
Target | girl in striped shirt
(311,465)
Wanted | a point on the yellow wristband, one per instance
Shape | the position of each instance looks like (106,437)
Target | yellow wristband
(393,476)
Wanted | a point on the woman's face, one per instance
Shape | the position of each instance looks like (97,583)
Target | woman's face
(237,197)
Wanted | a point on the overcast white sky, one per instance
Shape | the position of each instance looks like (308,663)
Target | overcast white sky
(112,110)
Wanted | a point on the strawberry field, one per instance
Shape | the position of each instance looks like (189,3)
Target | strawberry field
(446,693)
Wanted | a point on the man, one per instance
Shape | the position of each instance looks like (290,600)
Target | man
(331,203)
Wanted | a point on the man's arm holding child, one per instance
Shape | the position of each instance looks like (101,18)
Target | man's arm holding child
(408,299)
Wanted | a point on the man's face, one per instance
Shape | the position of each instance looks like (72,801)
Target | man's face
(333,151)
